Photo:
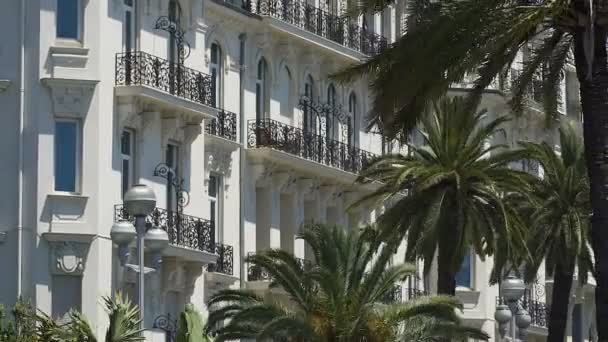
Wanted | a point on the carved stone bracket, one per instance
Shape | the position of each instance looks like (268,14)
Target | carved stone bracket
(172,130)
(70,97)
(68,257)
(288,185)
(263,173)
(219,160)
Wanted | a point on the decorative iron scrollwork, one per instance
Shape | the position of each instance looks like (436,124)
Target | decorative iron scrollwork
(393,296)
(167,324)
(174,29)
(224,126)
(225,261)
(339,29)
(177,183)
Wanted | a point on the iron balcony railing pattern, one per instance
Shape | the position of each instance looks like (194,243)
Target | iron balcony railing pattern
(224,126)
(340,29)
(225,260)
(140,68)
(183,230)
(393,296)
(413,293)
(295,141)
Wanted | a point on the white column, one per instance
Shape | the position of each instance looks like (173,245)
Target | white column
(194,171)
(288,219)
(150,154)
(263,199)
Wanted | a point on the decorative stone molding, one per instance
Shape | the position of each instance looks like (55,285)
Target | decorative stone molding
(70,97)
(326,193)
(219,160)
(68,257)
(263,173)
(191,131)
(172,129)
(4,84)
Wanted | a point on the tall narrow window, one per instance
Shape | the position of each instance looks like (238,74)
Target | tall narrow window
(215,68)
(352,120)
(172,161)
(331,101)
(309,119)
(129,27)
(215,205)
(67,149)
(261,89)
(464,276)
(126,152)
(68,19)
(285,91)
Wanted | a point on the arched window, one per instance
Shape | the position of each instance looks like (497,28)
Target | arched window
(261,89)
(215,69)
(352,120)
(309,119)
(329,120)
(285,91)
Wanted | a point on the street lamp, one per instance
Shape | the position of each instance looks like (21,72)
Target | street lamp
(512,289)
(139,202)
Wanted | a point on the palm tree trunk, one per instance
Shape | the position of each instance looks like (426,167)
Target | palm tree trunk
(594,101)
(558,317)
(446,278)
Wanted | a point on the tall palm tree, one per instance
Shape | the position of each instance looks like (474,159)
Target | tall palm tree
(335,298)
(455,186)
(448,39)
(560,222)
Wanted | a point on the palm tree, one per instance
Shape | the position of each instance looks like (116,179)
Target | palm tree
(334,299)
(560,222)
(455,188)
(448,39)
(123,327)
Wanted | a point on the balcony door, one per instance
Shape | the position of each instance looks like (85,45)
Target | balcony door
(329,116)
(172,161)
(174,51)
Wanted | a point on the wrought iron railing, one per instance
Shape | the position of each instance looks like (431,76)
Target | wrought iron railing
(140,68)
(183,230)
(225,261)
(395,295)
(224,126)
(295,141)
(412,293)
(539,311)
(168,324)
(340,29)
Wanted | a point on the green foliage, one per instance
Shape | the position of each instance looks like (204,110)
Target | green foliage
(559,209)
(335,298)
(20,327)
(449,39)
(124,320)
(191,326)
(456,185)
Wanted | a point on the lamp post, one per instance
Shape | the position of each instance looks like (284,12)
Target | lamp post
(512,314)
(139,202)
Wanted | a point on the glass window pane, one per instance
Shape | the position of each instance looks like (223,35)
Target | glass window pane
(212,208)
(125,143)
(125,176)
(212,186)
(463,277)
(67,19)
(65,156)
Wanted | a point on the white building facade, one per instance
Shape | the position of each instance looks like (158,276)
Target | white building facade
(227,111)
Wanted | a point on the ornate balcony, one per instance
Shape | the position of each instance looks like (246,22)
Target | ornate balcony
(224,126)
(225,261)
(138,68)
(411,293)
(339,29)
(293,140)
(257,273)
(183,230)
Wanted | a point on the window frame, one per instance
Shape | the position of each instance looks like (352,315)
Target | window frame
(174,164)
(130,158)
(129,9)
(218,68)
(472,258)
(352,117)
(219,205)
(79,23)
(261,89)
(77,158)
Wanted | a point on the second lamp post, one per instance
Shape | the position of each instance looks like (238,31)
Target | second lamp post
(139,202)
